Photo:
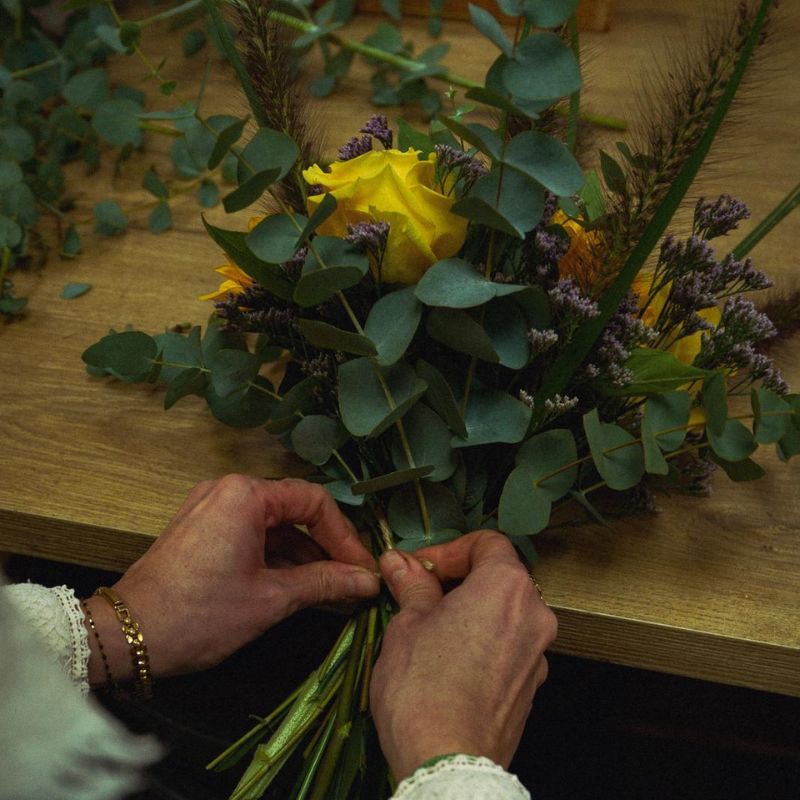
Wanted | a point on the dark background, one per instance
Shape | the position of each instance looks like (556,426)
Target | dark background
(598,730)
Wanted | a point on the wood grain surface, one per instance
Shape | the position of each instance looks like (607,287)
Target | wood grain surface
(91,471)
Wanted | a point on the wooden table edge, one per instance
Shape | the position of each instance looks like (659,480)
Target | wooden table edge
(760,665)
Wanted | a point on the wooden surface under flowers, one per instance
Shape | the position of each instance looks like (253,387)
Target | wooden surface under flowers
(708,588)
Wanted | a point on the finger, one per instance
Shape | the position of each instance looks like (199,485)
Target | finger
(458,558)
(303,503)
(409,582)
(324,582)
(288,543)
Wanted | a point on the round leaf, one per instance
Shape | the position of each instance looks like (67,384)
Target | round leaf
(315,438)
(546,160)
(429,441)
(546,455)
(616,454)
(544,68)
(392,323)
(735,443)
(128,355)
(524,507)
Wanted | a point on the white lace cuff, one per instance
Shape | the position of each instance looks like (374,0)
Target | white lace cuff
(56,618)
(462,777)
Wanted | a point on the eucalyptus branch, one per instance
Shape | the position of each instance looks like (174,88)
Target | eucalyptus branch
(170,12)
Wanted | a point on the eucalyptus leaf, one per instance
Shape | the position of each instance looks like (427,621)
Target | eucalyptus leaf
(328,337)
(455,283)
(117,122)
(268,151)
(460,332)
(232,371)
(250,190)
(185,382)
(545,160)
(390,480)
(111,220)
(735,443)
(616,454)
(392,323)
(715,402)
(72,290)
(87,89)
(506,327)
(772,416)
(551,459)
(739,471)
(128,355)
(524,507)
(275,238)
(543,68)
(429,442)
(248,407)
(441,398)
(160,218)
(226,138)
(485,22)
(493,417)
(372,397)
(315,437)
(332,265)
(444,512)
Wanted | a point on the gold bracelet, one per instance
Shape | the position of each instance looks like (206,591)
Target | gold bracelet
(109,677)
(143,678)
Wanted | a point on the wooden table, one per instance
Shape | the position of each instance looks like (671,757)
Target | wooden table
(90,472)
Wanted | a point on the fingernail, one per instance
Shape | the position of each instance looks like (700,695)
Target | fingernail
(394,565)
(428,564)
(364,582)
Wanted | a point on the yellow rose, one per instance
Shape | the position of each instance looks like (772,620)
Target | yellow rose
(396,187)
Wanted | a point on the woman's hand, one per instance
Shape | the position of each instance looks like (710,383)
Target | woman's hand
(457,673)
(229,566)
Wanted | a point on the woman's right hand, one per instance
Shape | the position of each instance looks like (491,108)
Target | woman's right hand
(457,673)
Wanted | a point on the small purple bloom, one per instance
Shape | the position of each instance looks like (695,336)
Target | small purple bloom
(356,147)
(377,126)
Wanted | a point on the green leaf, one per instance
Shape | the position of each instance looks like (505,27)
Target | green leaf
(490,28)
(549,14)
(324,209)
(267,151)
(160,218)
(315,437)
(208,194)
(325,336)
(550,458)
(10,233)
(441,398)
(505,214)
(226,138)
(73,290)
(715,402)
(87,89)
(506,327)
(249,191)
(232,371)
(10,174)
(117,122)
(543,68)
(390,480)
(613,174)
(429,441)
(298,401)
(789,445)
(656,372)
(109,35)
(571,358)
(593,197)
(275,238)
(186,382)
(17,142)
(460,332)
(129,35)
(484,139)
(772,416)
(128,356)
(344,267)
(616,454)
(739,471)
(193,41)
(409,138)
(111,220)
(662,413)
(545,160)
(155,185)
(524,508)
(71,245)
(179,352)
(365,408)
(392,323)
(246,408)
(270,276)
(735,443)
(492,417)
(182,112)
(444,512)
(455,283)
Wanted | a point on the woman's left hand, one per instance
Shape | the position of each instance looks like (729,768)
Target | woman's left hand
(229,566)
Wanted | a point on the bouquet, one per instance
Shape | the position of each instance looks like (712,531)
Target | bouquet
(460,329)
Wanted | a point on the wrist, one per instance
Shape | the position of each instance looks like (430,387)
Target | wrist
(425,756)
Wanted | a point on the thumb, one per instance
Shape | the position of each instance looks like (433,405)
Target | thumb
(409,582)
(322,582)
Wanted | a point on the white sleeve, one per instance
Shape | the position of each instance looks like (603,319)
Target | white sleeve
(56,618)
(53,742)
(462,777)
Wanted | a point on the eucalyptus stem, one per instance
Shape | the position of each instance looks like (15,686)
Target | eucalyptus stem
(170,12)
(783,209)
(575,97)
(370,52)
(33,69)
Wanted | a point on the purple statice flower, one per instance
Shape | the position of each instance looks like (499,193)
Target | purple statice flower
(541,340)
(624,332)
(257,311)
(741,276)
(693,255)
(370,237)
(550,249)
(450,158)
(694,291)
(314,189)
(377,126)
(568,300)
(294,265)
(719,217)
(356,147)
(741,318)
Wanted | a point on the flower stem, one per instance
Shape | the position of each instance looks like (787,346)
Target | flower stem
(783,209)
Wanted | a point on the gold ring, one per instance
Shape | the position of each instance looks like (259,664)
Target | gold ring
(538,588)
